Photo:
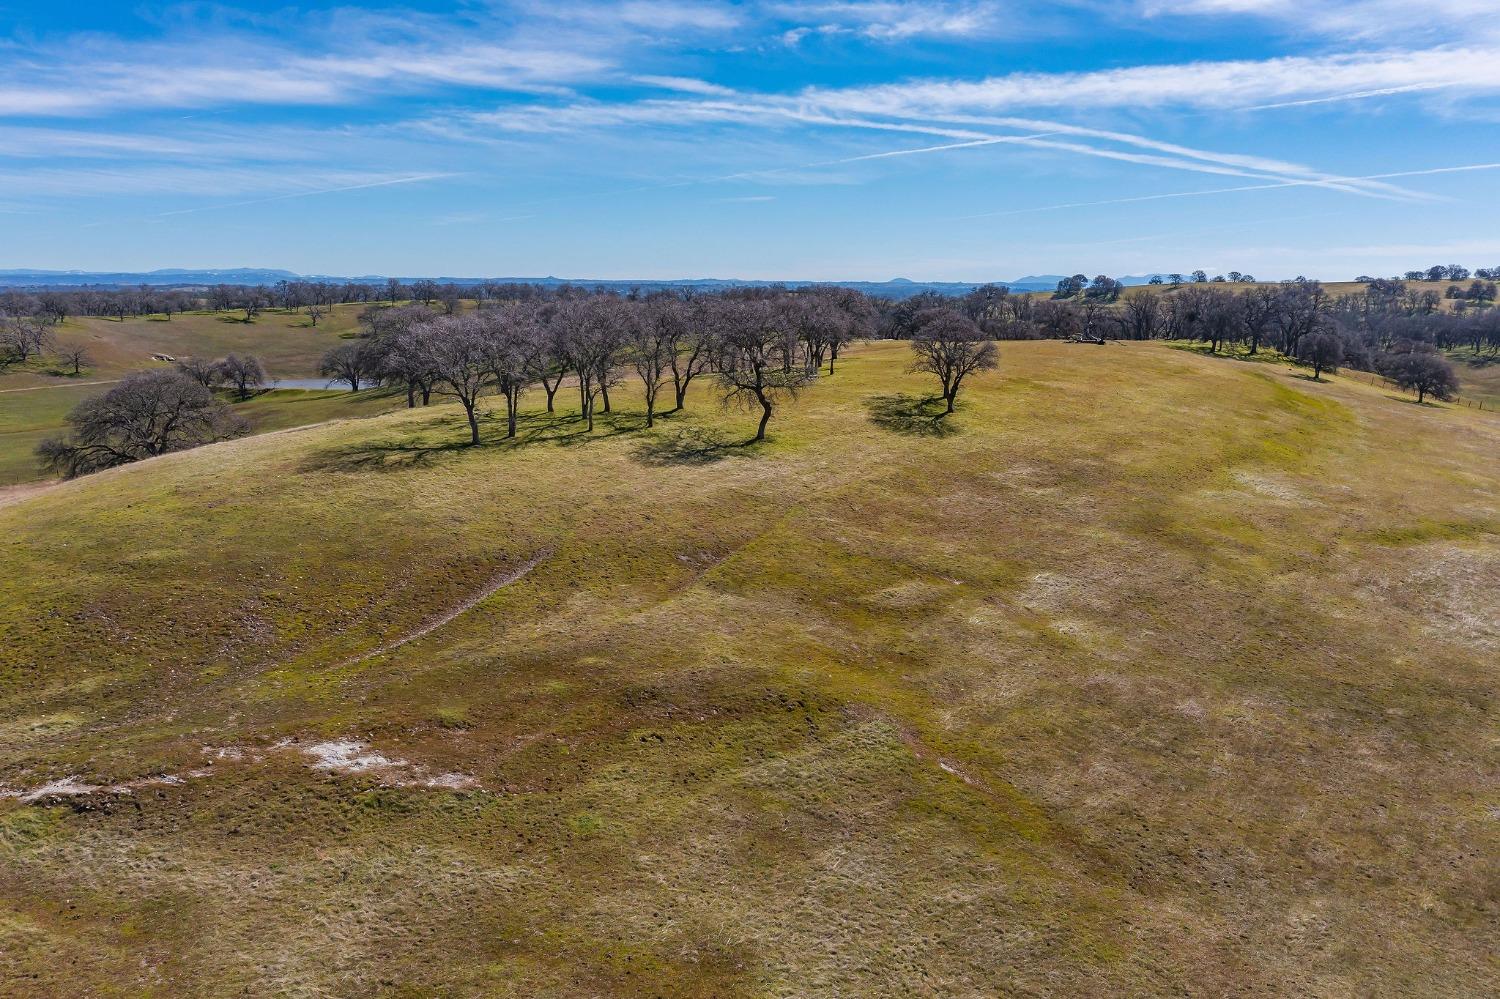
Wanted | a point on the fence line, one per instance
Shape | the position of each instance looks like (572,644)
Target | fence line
(1381,380)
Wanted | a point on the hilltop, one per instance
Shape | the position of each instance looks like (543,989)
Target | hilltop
(1146,672)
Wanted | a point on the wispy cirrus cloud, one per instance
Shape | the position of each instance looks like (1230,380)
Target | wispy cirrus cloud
(1215,85)
(901,114)
(1359,20)
(1429,172)
(893,20)
(171,78)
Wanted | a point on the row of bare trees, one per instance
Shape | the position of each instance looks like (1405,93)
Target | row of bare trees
(760,347)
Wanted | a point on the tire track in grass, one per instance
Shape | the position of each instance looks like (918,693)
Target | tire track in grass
(495,585)
(345,756)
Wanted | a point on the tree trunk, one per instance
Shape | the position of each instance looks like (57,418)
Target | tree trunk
(510,415)
(551,392)
(411,396)
(604,391)
(765,417)
(473,423)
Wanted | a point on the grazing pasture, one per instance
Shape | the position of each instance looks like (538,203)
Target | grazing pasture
(1145,671)
(35,398)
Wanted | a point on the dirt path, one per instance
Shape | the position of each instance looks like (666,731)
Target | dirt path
(38,388)
(488,590)
(25,490)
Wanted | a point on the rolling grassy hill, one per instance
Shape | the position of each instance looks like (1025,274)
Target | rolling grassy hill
(35,399)
(1147,673)
(1478,377)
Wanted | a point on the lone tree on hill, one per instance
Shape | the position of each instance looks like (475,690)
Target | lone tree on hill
(76,357)
(147,414)
(21,339)
(1324,351)
(952,348)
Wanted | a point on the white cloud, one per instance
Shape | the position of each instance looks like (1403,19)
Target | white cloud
(832,110)
(685,85)
(275,183)
(169,77)
(890,20)
(1205,85)
(1345,19)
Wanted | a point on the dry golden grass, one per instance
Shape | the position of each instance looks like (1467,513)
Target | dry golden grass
(1161,674)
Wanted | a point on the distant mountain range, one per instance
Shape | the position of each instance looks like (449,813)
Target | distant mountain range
(187,278)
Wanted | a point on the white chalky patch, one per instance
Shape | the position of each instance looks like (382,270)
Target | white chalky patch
(347,756)
(351,757)
(68,787)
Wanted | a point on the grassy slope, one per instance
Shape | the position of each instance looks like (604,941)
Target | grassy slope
(1478,377)
(1164,673)
(284,342)
(28,417)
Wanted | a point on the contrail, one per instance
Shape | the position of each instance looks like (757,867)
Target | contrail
(1259,165)
(1229,190)
(1358,95)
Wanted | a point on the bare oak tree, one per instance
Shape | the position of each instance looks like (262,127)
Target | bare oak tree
(454,349)
(951,347)
(244,373)
(350,363)
(654,331)
(750,340)
(147,414)
(514,344)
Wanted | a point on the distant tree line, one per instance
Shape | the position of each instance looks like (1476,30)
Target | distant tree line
(758,346)
(314,297)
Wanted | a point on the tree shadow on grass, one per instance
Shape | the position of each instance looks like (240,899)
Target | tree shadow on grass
(570,430)
(390,455)
(383,456)
(910,415)
(691,446)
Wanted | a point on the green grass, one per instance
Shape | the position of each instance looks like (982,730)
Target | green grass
(284,341)
(27,417)
(1151,674)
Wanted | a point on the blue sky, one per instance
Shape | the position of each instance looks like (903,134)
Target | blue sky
(820,139)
